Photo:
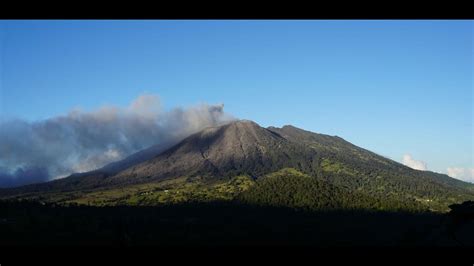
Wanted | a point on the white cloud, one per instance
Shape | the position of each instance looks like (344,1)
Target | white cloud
(412,163)
(465,174)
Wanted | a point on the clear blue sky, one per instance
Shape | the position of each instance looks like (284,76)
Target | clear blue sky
(394,87)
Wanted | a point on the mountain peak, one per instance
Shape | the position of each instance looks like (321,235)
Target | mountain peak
(238,122)
(244,122)
(238,147)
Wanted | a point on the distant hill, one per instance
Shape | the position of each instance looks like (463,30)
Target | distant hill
(284,166)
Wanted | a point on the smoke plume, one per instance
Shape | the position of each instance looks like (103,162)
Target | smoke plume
(412,163)
(81,141)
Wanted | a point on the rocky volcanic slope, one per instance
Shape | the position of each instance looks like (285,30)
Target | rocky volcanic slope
(241,147)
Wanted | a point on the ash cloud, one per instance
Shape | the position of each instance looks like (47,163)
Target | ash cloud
(81,141)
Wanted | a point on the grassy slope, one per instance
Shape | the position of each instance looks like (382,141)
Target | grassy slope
(178,190)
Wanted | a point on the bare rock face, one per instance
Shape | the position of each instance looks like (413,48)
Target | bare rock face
(217,152)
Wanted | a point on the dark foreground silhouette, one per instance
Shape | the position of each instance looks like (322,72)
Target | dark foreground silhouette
(227,224)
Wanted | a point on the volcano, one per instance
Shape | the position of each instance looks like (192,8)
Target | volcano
(242,148)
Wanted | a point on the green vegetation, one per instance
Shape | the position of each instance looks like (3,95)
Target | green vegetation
(291,188)
(337,168)
(400,183)
(339,186)
(284,188)
(174,191)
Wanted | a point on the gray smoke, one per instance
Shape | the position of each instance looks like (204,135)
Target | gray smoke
(82,141)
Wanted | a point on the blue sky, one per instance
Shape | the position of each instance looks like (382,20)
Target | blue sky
(393,87)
